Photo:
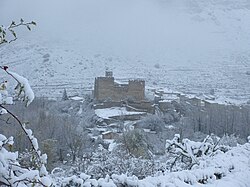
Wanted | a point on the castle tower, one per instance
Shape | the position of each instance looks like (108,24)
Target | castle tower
(108,73)
(136,89)
(104,86)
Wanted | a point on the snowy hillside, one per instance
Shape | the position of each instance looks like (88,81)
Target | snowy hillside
(185,45)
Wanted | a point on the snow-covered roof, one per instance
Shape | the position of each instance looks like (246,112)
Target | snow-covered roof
(106,132)
(77,98)
(107,113)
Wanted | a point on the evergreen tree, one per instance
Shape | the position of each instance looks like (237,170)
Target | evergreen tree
(65,95)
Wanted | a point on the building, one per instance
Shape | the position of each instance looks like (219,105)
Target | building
(164,99)
(109,135)
(107,89)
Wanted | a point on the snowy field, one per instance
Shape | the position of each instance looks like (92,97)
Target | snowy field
(193,47)
(190,46)
(51,70)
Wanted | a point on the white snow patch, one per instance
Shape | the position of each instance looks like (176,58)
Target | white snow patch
(106,113)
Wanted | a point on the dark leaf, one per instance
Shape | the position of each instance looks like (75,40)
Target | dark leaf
(13,33)
(28,27)
(33,23)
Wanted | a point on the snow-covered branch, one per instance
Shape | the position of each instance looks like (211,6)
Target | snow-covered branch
(22,88)
(12,174)
(190,152)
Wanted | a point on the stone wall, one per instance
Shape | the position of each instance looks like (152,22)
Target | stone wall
(136,89)
(144,106)
(103,88)
(106,89)
(108,104)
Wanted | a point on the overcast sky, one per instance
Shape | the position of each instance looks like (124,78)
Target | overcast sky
(138,27)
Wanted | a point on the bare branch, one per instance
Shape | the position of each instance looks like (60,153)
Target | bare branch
(5,69)
(21,125)
(10,30)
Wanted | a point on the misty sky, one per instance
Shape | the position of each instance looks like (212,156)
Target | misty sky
(149,28)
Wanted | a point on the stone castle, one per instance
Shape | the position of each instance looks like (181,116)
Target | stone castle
(106,89)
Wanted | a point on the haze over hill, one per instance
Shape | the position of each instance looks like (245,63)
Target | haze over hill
(199,45)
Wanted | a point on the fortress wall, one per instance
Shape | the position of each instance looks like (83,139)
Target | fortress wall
(120,93)
(136,89)
(144,105)
(104,87)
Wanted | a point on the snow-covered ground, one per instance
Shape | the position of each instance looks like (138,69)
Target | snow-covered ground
(234,165)
(230,169)
(188,46)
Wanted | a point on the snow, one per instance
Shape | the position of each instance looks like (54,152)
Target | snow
(4,97)
(77,98)
(23,87)
(221,163)
(170,126)
(233,167)
(44,158)
(84,176)
(13,174)
(112,145)
(46,181)
(31,137)
(79,111)
(185,65)
(107,132)
(43,171)
(146,130)
(106,182)
(214,56)
(221,169)
(2,137)
(8,101)
(3,111)
(108,113)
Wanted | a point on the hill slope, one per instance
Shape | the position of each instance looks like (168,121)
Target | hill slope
(189,46)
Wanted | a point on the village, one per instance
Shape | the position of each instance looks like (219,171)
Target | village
(146,93)
(126,103)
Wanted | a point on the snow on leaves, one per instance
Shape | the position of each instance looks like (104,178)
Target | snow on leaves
(189,153)
(11,172)
(23,88)
(221,169)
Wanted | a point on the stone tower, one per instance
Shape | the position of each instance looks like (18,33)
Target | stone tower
(107,89)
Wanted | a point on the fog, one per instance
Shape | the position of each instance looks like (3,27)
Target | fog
(145,28)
